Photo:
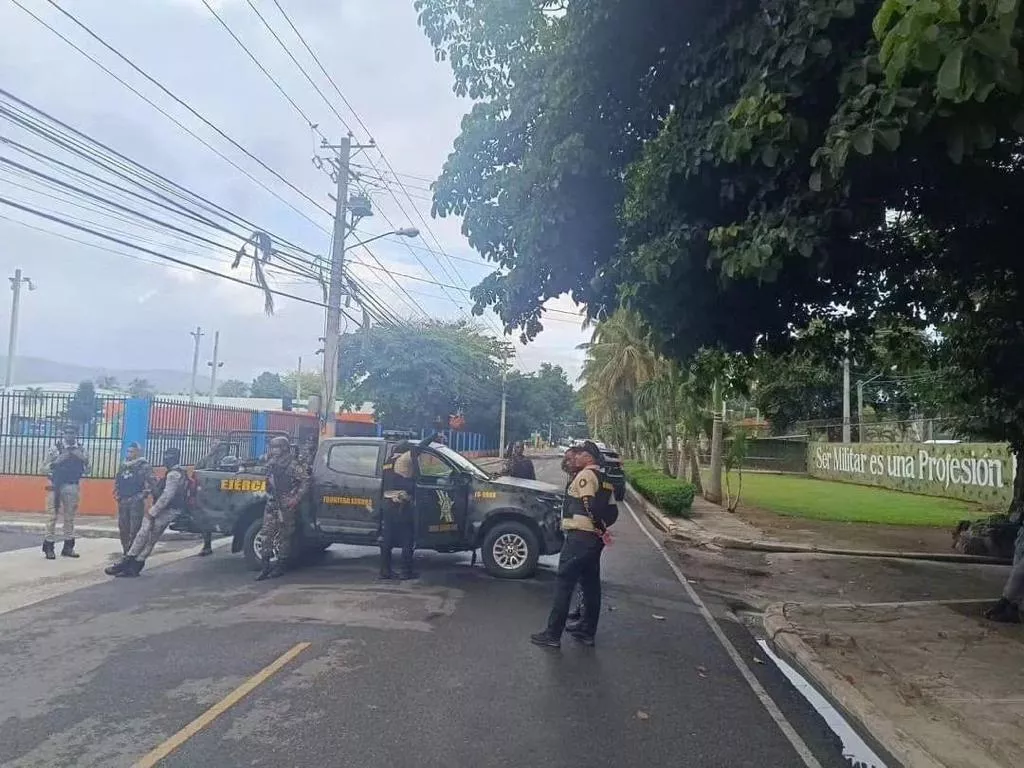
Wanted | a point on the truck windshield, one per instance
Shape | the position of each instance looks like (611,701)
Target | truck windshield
(460,461)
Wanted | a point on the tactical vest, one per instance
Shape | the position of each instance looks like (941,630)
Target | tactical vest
(67,472)
(392,481)
(178,502)
(131,480)
(602,510)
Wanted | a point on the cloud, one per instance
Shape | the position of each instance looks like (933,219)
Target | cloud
(91,294)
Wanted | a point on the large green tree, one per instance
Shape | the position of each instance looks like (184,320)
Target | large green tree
(737,169)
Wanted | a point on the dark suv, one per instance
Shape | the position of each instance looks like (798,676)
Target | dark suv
(613,468)
(459,507)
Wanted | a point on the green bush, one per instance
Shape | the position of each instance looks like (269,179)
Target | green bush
(673,497)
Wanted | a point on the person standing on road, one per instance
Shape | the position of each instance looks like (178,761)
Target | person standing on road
(1008,609)
(588,508)
(220,451)
(131,486)
(518,465)
(398,519)
(65,464)
(169,501)
(287,485)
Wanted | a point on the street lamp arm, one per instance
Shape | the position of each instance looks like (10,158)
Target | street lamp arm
(403,232)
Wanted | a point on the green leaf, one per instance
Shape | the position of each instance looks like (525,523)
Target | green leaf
(770,155)
(951,73)
(890,139)
(880,24)
(821,46)
(845,9)
(864,141)
(887,103)
(815,182)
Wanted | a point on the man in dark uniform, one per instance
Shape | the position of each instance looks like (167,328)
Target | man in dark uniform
(518,465)
(133,483)
(220,451)
(398,519)
(588,508)
(287,485)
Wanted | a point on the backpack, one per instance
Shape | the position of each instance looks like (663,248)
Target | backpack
(609,516)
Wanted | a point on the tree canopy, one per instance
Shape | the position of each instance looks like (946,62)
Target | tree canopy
(739,169)
(232,388)
(269,384)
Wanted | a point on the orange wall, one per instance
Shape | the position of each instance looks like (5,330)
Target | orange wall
(19,493)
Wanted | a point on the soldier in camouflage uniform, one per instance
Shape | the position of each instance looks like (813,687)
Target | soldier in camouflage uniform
(131,486)
(287,485)
(65,464)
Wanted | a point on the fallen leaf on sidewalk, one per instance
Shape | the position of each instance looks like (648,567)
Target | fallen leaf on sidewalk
(656,617)
(758,661)
(702,670)
(641,715)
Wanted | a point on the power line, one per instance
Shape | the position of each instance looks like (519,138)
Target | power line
(178,100)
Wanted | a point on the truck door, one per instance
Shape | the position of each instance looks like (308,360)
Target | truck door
(442,504)
(347,490)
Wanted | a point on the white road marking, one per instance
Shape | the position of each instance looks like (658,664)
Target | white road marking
(766,700)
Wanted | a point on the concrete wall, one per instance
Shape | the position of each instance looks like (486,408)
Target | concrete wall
(979,472)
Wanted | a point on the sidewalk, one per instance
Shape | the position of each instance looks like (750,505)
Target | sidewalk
(933,682)
(86,526)
(712,526)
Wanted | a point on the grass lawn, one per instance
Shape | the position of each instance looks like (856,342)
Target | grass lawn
(797,496)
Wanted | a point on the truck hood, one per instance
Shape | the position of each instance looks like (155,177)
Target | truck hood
(529,485)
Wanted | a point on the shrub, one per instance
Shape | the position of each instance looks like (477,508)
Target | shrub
(673,497)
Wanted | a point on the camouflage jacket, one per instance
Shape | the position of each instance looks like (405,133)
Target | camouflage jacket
(288,481)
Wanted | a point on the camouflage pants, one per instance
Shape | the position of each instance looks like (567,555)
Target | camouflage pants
(129,520)
(278,530)
(62,501)
(149,534)
(1014,589)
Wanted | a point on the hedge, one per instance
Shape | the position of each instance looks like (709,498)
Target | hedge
(673,497)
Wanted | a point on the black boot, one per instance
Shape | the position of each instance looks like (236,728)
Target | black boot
(1004,612)
(69,549)
(265,571)
(133,568)
(386,573)
(207,546)
(48,550)
(280,569)
(120,566)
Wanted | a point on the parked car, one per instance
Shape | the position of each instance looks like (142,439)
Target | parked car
(459,507)
(612,467)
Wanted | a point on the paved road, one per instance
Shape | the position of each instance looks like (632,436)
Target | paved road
(434,673)
(12,541)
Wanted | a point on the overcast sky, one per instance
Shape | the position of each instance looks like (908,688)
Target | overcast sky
(98,308)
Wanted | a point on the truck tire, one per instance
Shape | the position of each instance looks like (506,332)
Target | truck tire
(620,492)
(510,550)
(251,547)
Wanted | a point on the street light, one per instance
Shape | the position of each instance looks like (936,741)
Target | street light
(12,342)
(403,232)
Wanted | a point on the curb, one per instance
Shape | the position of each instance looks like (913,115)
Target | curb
(682,529)
(785,638)
(89,531)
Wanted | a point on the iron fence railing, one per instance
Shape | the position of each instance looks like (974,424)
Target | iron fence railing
(31,422)
(194,429)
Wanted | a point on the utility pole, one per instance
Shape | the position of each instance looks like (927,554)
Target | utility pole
(12,343)
(504,403)
(846,399)
(332,335)
(197,334)
(298,381)
(860,411)
(713,492)
(214,365)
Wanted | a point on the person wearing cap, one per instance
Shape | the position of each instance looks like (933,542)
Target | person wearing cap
(169,501)
(398,521)
(65,464)
(587,512)
(287,485)
(517,465)
(131,486)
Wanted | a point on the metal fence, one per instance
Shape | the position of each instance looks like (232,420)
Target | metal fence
(31,422)
(194,429)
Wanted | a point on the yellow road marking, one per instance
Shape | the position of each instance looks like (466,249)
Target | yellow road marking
(218,709)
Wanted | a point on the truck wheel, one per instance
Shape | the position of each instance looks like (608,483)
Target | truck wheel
(510,551)
(252,545)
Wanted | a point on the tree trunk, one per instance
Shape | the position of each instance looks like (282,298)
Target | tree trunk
(698,484)
(676,452)
(1016,511)
(713,493)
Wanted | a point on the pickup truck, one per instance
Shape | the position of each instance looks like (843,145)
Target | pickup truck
(458,506)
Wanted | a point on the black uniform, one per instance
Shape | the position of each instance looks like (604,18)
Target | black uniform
(588,505)
(398,518)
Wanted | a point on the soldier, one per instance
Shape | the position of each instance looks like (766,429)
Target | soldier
(1008,609)
(169,501)
(587,513)
(220,451)
(65,465)
(131,486)
(518,465)
(397,517)
(287,484)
